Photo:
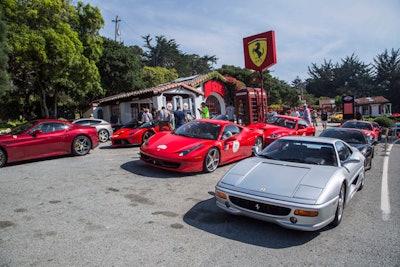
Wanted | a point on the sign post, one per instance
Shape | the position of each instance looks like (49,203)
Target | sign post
(260,54)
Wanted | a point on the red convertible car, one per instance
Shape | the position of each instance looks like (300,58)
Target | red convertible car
(200,145)
(46,138)
(282,125)
(134,133)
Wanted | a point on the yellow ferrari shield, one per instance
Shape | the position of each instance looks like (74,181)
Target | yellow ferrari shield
(258,51)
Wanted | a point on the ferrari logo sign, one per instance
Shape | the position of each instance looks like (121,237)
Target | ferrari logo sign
(259,51)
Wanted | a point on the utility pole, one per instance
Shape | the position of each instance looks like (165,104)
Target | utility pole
(116,27)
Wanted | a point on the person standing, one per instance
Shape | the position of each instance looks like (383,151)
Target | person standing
(180,117)
(307,114)
(163,119)
(147,116)
(230,112)
(324,118)
(204,111)
(295,113)
(314,116)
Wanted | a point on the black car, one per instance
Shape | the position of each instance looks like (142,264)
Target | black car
(356,138)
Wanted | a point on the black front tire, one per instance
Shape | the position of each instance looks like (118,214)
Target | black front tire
(81,145)
(3,158)
(340,206)
(146,136)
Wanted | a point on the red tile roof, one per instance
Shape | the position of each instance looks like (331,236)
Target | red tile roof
(371,100)
(189,83)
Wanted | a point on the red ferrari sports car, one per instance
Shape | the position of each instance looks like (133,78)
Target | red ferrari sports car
(134,133)
(282,125)
(200,145)
(367,127)
(46,138)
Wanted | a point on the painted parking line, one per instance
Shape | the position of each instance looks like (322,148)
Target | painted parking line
(385,202)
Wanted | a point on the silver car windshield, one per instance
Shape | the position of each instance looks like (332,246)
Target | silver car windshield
(302,152)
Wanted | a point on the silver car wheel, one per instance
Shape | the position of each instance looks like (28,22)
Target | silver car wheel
(103,135)
(259,144)
(81,145)
(211,161)
(340,207)
(362,181)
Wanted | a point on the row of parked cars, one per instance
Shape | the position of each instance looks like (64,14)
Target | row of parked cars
(296,180)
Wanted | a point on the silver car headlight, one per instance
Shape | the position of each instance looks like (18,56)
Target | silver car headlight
(364,150)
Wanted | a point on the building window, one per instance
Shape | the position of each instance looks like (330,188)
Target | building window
(365,110)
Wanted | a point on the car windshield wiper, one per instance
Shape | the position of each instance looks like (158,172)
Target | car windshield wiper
(295,160)
(266,156)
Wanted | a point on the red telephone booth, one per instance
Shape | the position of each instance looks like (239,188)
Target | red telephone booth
(251,105)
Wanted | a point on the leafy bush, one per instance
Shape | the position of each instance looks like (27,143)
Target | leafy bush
(9,124)
(384,121)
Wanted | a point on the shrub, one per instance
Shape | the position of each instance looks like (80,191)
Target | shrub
(384,121)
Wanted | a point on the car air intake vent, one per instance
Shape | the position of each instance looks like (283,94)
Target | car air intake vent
(259,207)
(159,162)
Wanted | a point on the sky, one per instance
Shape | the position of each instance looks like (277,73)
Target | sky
(306,32)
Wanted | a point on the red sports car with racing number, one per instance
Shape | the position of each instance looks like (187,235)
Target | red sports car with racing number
(46,138)
(200,145)
(283,125)
(134,133)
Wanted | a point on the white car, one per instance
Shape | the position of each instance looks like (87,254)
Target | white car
(103,127)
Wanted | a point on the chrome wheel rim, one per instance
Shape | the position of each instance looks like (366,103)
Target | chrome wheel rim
(103,136)
(258,144)
(82,145)
(212,160)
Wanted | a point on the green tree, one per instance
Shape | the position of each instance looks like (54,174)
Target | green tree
(350,77)
(322,79)
(153,76)
(387,67)
(4,82)
(165,53)
(354,77)
(48,58)
(120,68)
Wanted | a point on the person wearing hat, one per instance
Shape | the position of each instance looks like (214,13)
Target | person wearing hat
(307,114)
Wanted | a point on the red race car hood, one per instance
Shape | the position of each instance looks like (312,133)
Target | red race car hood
(171,143)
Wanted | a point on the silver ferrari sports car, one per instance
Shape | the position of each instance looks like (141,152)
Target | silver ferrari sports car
(298,182)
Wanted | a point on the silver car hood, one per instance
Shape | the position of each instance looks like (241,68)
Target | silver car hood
(278,179)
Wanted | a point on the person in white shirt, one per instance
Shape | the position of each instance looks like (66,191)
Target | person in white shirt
(163,118)
(307,114)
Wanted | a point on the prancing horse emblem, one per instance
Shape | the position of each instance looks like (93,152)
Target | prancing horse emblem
(258,51)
